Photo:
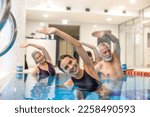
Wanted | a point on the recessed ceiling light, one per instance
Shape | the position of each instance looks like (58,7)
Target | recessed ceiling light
(109,19)
(124,11)
(132,1)
(45,15)
(106,10)
(48,6)
(68,8)
(87,9)
(50,2)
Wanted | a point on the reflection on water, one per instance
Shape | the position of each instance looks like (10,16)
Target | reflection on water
(115,85)
(24,87)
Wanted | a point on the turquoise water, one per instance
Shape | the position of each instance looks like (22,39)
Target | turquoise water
(24,87)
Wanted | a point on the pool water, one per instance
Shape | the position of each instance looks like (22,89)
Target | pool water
(24,87)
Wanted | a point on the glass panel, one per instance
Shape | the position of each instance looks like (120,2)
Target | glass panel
(138,31)
(147,14)
(122,43)
(146,24)
(129,44)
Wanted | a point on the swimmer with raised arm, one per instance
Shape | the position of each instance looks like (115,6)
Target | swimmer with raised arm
(84,79)
(44,67)
(110,66)
(96,55)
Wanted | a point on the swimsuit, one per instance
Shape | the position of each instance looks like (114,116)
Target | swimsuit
(86,83)
(45,73)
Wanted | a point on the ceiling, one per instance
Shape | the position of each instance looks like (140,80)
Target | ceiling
(56,10)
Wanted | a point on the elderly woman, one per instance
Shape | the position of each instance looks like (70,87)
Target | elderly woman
(42,59)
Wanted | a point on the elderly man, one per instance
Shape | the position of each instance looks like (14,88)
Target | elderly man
(110,66)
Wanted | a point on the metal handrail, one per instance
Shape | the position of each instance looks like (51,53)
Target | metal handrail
(13,36)
(4,11)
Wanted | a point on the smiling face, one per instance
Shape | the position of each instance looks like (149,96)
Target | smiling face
(39,58)
(69,65)
(105,53)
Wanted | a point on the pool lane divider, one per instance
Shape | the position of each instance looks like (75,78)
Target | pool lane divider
(137,73)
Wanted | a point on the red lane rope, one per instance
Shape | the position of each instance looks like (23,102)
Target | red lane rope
(137,73)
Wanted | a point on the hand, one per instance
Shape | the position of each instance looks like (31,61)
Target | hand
(24,45)
(47,31)
(98,34)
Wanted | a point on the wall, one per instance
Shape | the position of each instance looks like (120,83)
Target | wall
(33,26)
(133,42)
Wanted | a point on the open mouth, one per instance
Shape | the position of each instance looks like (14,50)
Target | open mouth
(42,60)
(74,69)
(108,58)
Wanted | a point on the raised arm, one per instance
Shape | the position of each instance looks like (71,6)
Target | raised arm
(70,39)
(115,41)
(75,43)
(97,58)
(116,44)
(44,51)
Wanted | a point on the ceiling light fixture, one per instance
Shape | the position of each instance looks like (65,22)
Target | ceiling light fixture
(109,19)
(68,8)
(124,11)
(87,9)
(48,6)
(45,15)
(50,2)
(132,1)
(106,10)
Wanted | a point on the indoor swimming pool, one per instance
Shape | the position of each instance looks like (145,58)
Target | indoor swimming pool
(24,87)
